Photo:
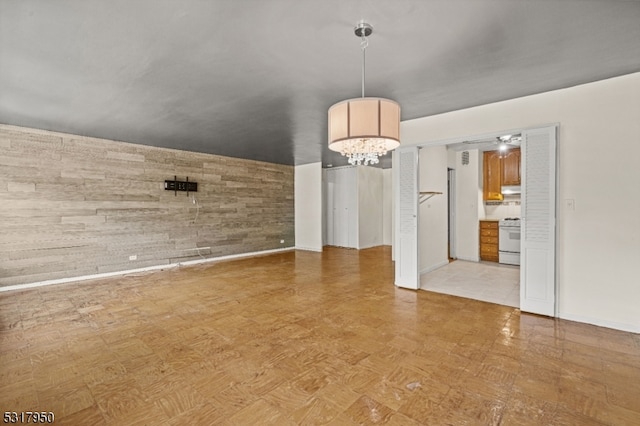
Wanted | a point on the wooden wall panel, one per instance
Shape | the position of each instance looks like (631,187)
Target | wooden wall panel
(73,206)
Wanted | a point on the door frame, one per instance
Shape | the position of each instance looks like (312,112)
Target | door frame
(489,135)
(451,214)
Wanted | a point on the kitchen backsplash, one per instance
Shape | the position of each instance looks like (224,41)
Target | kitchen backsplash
(502,209)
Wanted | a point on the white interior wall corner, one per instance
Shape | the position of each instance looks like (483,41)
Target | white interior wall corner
(308,206)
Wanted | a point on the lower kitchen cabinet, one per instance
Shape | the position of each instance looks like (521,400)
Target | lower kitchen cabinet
(489,240)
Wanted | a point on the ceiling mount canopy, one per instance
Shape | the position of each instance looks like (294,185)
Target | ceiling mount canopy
(364,129)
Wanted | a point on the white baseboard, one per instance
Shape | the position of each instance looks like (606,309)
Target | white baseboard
(633,328)
(138,270)
(434,267)
(316,249)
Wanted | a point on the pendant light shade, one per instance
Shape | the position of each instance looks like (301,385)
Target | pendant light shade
(363,129)
(364,126)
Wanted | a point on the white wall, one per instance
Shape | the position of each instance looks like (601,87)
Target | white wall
(598,244)
(370,206)
(433,212)
(509,207)
(387,208)
(308,206)
(467,204)
(451,159)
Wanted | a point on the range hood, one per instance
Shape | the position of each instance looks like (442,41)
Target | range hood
(510,189)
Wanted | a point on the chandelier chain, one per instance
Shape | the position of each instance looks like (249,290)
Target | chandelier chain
(363,45)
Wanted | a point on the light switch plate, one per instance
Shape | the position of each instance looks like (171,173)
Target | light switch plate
(570,204)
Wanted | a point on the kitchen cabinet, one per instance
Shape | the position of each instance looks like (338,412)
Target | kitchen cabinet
(499,169)
(511,167)
(489,240)
(492,176)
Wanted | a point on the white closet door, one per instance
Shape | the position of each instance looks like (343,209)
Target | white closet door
(538,224)
(351,193)
(341,216)
(406,190)
(330,207)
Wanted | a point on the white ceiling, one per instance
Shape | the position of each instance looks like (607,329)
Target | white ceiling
(254,78)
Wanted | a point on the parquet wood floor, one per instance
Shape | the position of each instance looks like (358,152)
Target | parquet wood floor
(303,338)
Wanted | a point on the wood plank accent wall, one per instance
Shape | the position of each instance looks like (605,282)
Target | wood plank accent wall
(72,206)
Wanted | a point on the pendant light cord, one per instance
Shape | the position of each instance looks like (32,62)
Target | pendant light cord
(363,45)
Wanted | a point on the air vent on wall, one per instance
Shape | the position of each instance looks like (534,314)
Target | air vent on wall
(465,158)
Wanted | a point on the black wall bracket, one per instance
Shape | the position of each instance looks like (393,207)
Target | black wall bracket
(178,185)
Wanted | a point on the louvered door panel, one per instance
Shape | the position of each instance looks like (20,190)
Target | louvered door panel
(407,218)
(537,270)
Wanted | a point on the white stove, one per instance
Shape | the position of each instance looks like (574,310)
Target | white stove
(511,222)
(509,241)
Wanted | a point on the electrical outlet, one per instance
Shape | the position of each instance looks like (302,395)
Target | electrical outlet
(281,241)
(133,257)
(570,204)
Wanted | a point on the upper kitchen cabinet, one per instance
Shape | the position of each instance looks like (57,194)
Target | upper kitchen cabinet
(492,171)
(511,167)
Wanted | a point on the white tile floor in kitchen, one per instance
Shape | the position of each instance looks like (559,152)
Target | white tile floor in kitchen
(486,281)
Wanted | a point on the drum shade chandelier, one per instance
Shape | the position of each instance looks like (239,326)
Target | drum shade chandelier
(363,129)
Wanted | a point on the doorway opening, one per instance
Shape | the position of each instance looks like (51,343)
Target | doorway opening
(474,223)
(538,291)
